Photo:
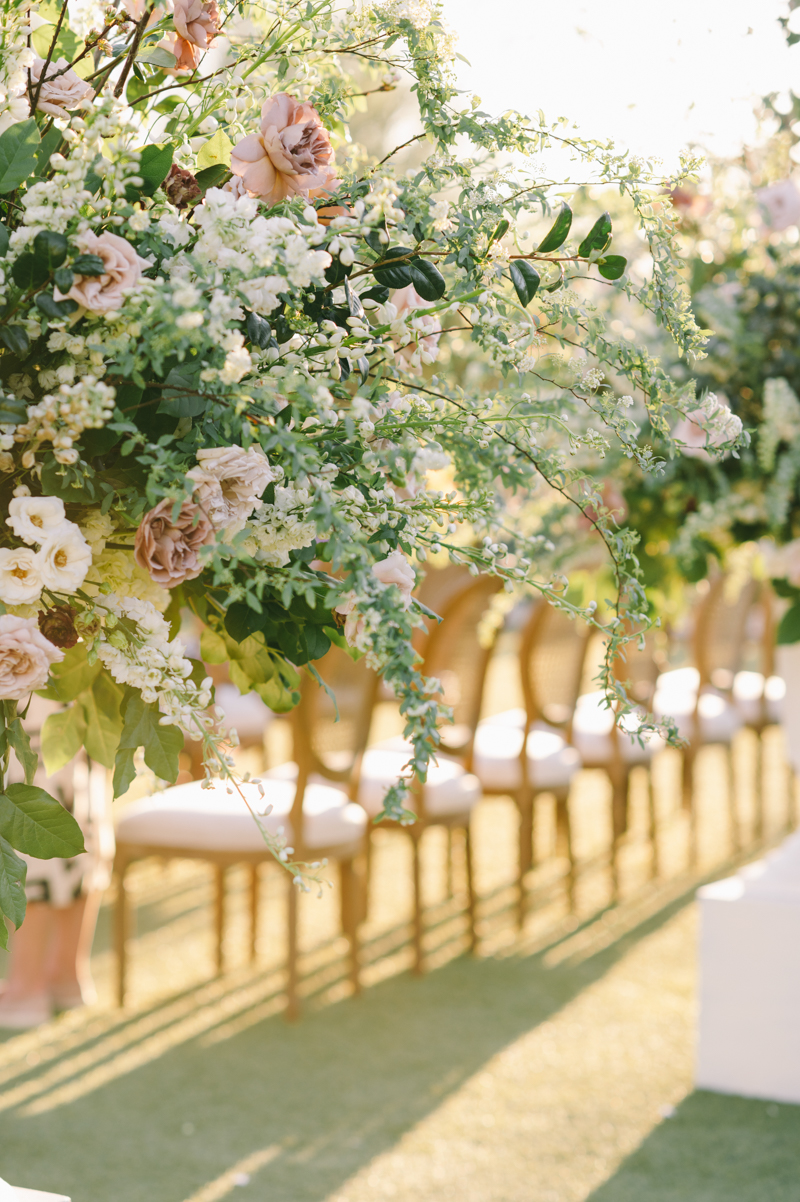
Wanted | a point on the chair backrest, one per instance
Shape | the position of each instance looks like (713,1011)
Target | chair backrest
(719,632)
(328,739)
(457,652)
(551,658)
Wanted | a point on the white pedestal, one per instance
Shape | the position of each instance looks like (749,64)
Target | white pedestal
(749,1026)
(15,1193)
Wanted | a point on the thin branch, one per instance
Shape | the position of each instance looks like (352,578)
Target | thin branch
(47,61)
(137,37)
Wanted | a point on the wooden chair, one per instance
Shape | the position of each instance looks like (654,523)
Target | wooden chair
(320,821)
(457,653)
(700,698)
(757,691)
(527,752)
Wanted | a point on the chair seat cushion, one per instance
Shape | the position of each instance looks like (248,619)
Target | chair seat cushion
(719,719)
(748,690)
(552,763)
(448,790)
(199,819)
(592,728)
(246,712)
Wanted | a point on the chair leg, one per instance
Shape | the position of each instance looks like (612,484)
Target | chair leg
(525,855)
(292,1005)
(652,822)
(733,811)
(791,799)
(687,781)
(368,854)
(564,838)
(449,865)
(121,920)
(471,897)
(619,824)
(417,931)
(350,883)
(219,916)
(758,788)
(255,890)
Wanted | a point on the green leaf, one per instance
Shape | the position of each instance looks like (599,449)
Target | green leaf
(29,271)
(48,145)
(58,310)
(20,740)
(88,265)
(3,241)
(18,146)
(162,744)
(217,150)
(157,57)
(598,237)
(154,165)
(276,696)
(213,647)
(50,249)
(526,280)
(62,737)
(789,628)
(394,275)
(427,279)
(209,177)
(184,380)
(15,339)
(501,229)
(558,232)
(71,676)
(38,825)
(12,888)
(64,279)
(101,707)
(124,771)
(13,412)
(611,267)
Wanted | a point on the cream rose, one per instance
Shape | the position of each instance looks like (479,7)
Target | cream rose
(61,90)
(396,569)
(25,657)
(35,519)
(123,268)
(291,156)
(230,483)
(64,560)
(20,576)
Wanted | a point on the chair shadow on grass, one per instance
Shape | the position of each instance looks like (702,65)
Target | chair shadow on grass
(714,1149)
(159,1104)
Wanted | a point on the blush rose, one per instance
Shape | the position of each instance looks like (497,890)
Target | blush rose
(291,156)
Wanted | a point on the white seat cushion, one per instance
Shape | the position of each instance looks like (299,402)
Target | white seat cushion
(719,718)
(592,728)
(246,712)
(552,763)
(748,689)
(680,680)
(215,820)
(448,789)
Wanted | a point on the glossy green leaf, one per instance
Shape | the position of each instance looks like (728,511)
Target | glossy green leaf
(611,267)
(3,241)
(50,249)
(789,628)
(598,237)
(12,888)
(210,177)
(37,825)
(557,235)
(58,310)
(394,275)
(29,271)
(13,411)
(88,265)
(15,339)
(63,734)
(48,146)
(526,280)
(427,279)
(18,146)
(501,229)
(19,740)
(154,165)
(216,151)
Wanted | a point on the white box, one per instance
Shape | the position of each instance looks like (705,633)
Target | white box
(749,1024)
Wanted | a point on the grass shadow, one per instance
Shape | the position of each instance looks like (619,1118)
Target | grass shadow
(715,1148)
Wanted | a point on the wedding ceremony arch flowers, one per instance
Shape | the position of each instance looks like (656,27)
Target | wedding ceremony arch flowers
(227,371)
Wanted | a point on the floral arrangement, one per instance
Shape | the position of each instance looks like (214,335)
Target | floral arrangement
(225,370)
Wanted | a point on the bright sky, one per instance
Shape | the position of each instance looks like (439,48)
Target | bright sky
(653,75)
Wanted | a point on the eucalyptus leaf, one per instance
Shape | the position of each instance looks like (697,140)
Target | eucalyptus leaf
(557,235)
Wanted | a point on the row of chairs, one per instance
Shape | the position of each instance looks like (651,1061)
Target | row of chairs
(327,794)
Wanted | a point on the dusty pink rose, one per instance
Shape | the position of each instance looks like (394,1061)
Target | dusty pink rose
(291,156)
(396,569)
(167,549)
(196,21)
(60,93)
(230,483)
(123,267)
(25,657)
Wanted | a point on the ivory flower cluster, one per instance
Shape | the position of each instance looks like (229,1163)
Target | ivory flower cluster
(61,559)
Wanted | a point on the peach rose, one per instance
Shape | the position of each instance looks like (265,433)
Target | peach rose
(123,267)
(25,657)
(396,569)
(167,549)
(197,21)
(291,156)
(59,92)
(186,54)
